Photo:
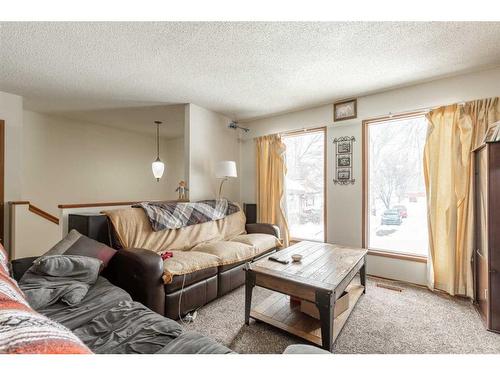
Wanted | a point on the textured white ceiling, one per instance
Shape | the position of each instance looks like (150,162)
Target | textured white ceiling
(243,70)
(139,119)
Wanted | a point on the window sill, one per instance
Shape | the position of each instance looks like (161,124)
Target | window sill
(400,256)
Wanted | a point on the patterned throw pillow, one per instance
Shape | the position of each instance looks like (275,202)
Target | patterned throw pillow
(23,330)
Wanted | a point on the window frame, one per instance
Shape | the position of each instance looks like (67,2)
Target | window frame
(321,129)
(365,173)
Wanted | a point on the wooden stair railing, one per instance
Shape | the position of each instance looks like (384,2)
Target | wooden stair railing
(109,204)
(37,211)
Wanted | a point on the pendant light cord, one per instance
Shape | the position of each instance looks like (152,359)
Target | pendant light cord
(158,139)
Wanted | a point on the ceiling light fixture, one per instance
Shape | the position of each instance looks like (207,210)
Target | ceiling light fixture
(158,166)
(234,125)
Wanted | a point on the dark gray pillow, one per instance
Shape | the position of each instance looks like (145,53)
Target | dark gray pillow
(79,268)
(59,277)
(63,245)
(75,243)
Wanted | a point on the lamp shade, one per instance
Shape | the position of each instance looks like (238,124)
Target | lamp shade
(158,168)
(224,169)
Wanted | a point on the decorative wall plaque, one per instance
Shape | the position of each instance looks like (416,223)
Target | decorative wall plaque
(343,160)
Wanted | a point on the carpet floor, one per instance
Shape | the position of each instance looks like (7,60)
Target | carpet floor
(414,321)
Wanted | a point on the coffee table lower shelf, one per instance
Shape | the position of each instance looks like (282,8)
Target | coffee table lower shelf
(277,311)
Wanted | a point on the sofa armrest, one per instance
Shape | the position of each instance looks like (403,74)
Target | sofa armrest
(139,272)
(263,228)
(20,266)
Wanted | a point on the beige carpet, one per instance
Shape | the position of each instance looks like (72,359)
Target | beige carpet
(384,321)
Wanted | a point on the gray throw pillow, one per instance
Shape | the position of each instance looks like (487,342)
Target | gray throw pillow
(79,268)
(54,278)
(75,243)
(63,245)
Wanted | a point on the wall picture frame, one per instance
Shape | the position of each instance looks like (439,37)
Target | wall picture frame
(492,133)
(345,110)
(344,174)
(344,147)
(343,161)
(343,166)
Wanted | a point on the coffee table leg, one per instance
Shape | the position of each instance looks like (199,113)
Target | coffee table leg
(326,302)
(362,275)
(249,285)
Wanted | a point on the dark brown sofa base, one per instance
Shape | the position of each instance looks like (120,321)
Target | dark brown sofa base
(197,294)
(193,296)
(140,271)
(230,279)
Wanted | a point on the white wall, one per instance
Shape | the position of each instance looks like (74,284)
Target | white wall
(67,161)
(11,111)
(210,140)
(32,234)
(345,202)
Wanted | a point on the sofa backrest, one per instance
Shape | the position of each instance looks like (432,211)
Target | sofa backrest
(23,330)
(133,230)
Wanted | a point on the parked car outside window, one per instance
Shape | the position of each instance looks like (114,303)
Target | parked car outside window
(391,217)
(403,212)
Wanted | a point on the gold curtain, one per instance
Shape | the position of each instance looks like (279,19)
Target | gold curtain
(454,131)
(271,171)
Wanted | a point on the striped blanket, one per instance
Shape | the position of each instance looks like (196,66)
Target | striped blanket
(175,215)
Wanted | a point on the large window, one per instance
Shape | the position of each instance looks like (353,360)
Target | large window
(396,211)
(305,184)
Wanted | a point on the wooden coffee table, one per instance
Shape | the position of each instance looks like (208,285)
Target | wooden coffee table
(323,274)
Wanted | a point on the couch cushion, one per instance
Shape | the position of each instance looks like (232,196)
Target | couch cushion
(128,328)
(261,242)
(228,252)
(101,297)
(186,262)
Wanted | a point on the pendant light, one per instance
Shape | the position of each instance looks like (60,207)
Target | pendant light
(158,166)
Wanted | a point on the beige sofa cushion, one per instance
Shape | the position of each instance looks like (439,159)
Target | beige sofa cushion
(133,230)
(260,241)
(184,262)
(228,252)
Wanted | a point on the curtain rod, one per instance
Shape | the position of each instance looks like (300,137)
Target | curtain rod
(303,130)
(388,115)
(415,112)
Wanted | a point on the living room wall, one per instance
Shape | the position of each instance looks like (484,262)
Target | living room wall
(209,140)
(344,210)
(69,161)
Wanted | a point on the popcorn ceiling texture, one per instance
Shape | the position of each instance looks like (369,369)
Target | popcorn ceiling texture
(243,70)
(415,321)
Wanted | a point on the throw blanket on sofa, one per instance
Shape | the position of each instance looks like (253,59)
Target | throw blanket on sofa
(175,215)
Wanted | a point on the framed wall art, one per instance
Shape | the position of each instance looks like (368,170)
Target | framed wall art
(492,133)
(345,110)
(343,160)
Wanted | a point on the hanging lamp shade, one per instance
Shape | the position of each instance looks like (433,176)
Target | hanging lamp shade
(158,167)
